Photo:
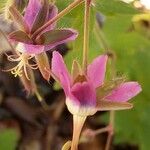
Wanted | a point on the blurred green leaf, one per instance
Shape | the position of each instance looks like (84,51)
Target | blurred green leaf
(133,59)
(8,139)
(115,7)
(2,4)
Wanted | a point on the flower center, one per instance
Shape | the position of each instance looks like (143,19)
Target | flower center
(80,78)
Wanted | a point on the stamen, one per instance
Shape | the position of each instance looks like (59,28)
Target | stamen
(23,63)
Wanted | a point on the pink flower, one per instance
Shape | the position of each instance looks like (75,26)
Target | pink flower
(36,15)
(81,97)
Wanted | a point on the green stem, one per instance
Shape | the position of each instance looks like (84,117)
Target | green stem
(60,15)
(86,35)
(40,99)
(100,37)
(110,133)
(78,123)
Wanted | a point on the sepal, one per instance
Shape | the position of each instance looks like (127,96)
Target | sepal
(55,37)
(18,18)
(20,36)
(43,65)
(104,105)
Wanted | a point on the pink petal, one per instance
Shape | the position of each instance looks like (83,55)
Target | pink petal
(84,94)
(30,48)
(125,92)
(32,11)
(96,70)
(61,72)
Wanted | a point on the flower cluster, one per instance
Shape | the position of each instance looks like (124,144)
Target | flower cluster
(85,89)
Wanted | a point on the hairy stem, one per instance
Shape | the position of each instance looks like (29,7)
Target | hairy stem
(60,15)
(86,35)
(111,132)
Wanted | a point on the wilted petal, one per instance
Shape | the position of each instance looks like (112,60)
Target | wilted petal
(84,93)
(30,48)
(32,11)
(56,37)
(125,92)
(109,105)
(96,70)
(61,72)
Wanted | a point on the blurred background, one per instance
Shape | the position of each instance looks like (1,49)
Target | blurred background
(119,28)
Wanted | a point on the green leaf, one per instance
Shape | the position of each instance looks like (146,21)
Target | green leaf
(8,139)
(114,7)
(2,4)
(133,59)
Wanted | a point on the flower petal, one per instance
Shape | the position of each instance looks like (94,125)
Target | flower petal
(84,94)
(56,37)
(30,48)
(61,72)
(32,11)
(125,92)
(96,70)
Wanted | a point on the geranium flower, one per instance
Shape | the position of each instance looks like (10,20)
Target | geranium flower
(81,90)
(37,13)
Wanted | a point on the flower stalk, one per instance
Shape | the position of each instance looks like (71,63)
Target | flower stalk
(56,18)
(110,132)
(86,35)
(78,122)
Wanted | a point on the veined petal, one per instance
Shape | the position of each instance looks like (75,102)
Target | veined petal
(96,70)
(84,94)
(56,37)
(61,72)
(30,48)
(31,11)
(125,92)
